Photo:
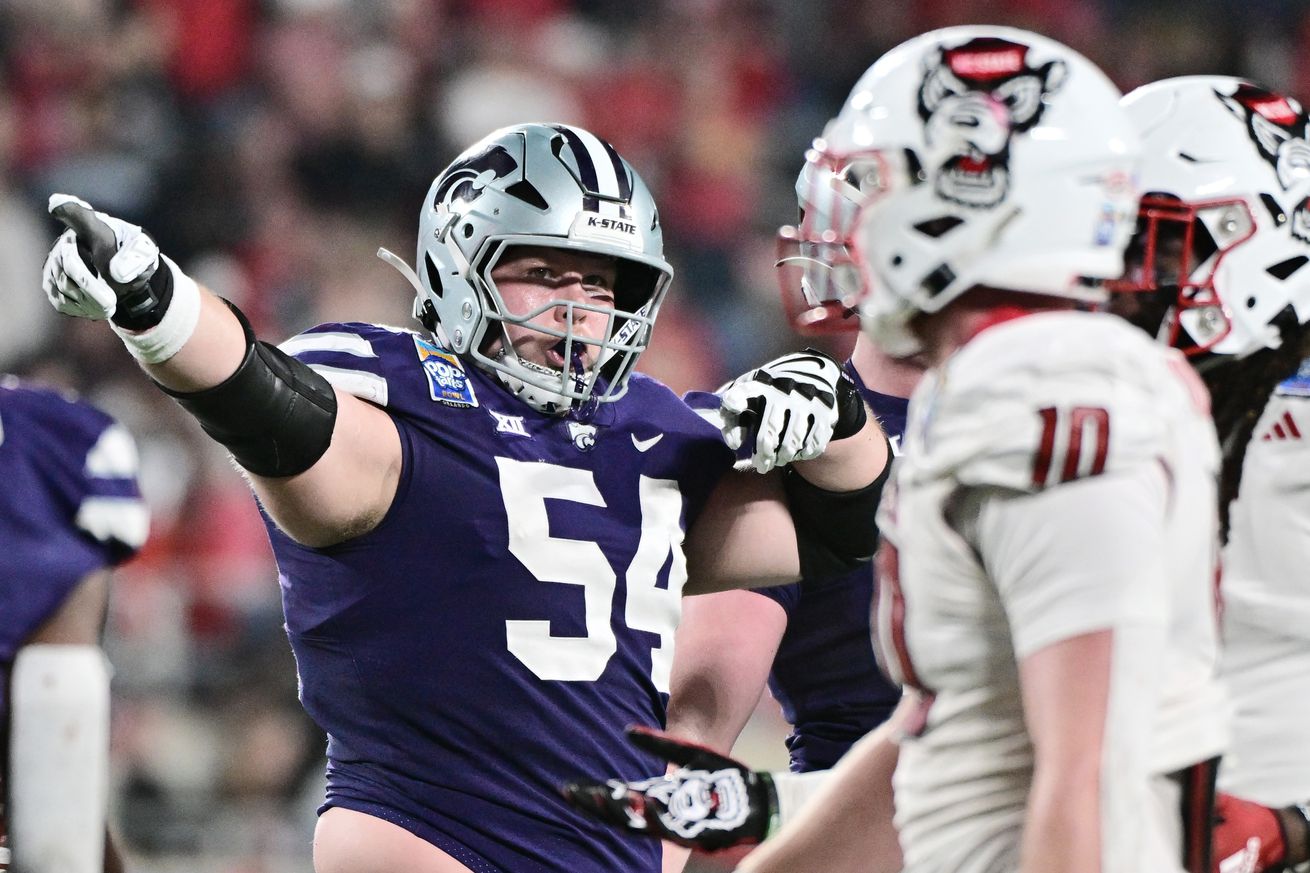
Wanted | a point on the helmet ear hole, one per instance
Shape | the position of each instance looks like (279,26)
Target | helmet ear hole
(434,276)
(1286,322)
(1284,269)
(633,285)
(936,228)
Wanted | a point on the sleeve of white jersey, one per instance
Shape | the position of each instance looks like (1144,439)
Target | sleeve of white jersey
(1086,556)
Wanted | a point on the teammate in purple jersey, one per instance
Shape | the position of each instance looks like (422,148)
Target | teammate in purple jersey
(824,674)
(809,640)
(483,529)
(70,510)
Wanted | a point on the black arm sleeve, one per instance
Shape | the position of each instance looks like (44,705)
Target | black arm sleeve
(835,531)
(274,414)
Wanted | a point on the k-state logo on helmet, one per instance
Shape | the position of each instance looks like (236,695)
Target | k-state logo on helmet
(618,230)
(602,223)
(466,180)
(973,100)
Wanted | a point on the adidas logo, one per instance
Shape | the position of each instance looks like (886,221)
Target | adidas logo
(1284,429)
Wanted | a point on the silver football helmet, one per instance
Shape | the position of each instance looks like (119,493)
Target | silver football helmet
(539,185)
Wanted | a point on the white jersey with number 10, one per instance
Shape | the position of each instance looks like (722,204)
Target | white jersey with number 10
(1058,480)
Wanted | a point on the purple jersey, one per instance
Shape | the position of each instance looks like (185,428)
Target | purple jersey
(71,503)
(824,675)
(512,613)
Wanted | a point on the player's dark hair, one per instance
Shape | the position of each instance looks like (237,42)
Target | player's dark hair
(1239,392)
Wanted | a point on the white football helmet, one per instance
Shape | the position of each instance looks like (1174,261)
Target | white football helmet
(539,185)
(1224,228)
(980,156)
(820,281)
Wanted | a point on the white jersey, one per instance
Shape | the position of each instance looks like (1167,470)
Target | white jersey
(1266,588)
(1058,479)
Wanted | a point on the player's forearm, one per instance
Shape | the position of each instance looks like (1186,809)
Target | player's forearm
(725,646)
(706,729)
(325,466)
(209,356)
(851,463)
(703,709)
(835,513)
(846,825)
(1062,828)
(1066,692)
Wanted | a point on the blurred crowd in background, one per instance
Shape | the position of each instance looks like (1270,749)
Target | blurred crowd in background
(271,146)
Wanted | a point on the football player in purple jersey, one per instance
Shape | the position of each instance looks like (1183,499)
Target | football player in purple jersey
(810,642)
(483,528)
(70,510)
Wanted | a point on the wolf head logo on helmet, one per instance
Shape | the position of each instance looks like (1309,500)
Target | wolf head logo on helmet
(969,157)
(1278,127)
(974,98)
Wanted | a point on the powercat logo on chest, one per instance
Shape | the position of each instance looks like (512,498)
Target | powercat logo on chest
(448,383)
(582,435)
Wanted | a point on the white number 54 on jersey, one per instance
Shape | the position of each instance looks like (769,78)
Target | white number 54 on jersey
(525,487)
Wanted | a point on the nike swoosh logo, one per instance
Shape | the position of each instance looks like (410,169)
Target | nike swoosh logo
(648,444)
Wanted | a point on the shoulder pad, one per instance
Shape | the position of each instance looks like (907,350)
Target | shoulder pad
(1051,398)
(89,460)
(362,359)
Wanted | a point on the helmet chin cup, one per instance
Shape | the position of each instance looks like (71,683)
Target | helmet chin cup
(529,383)
(423,310)
(390,257)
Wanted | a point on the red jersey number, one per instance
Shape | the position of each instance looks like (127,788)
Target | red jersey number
(1076,438)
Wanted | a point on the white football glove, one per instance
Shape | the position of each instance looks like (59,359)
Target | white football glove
(96,244)
(794,405)
(103,268)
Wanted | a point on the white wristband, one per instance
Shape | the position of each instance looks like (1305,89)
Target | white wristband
(795,790)
(161,342)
